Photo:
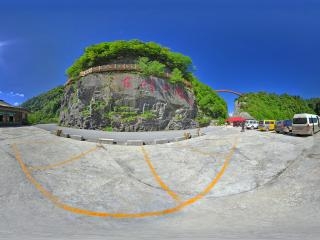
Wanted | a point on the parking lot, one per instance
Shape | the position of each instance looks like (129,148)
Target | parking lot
(225,184)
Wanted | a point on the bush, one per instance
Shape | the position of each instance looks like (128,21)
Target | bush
(176,76)
(148,68)
(203,121)
(148,115)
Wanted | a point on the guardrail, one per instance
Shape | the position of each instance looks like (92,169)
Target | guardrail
(117,67)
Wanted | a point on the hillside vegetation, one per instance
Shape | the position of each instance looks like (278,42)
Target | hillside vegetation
(153,59)
(314,103)
(124,51)
(45,108)
(264,105)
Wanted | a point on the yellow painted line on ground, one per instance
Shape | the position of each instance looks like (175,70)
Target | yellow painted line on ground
(157,177)
(86,212)
(59,164)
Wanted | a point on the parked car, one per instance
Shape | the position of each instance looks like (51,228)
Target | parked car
(251,124)
(284,126)
(267,125)
(305,124)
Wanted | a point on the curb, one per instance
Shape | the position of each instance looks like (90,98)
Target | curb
(161,141)
(77,137)
(136,142)
(106,141)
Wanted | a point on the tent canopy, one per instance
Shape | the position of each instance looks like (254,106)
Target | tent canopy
(235,119)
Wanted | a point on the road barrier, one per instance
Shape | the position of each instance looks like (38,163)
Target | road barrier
(107,141)
(161,141)
(77,137)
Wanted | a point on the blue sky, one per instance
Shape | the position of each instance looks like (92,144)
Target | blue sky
(246,45)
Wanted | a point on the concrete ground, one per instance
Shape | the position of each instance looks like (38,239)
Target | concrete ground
(224,185)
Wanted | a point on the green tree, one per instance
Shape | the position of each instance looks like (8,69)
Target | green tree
(176,76)
(148,68)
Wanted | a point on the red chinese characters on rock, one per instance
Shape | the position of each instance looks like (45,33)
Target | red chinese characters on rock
(143,84)
(166,87)
(151,86)
(126,82)
(182,95)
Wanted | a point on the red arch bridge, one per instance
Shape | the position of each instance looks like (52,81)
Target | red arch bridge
(229,91)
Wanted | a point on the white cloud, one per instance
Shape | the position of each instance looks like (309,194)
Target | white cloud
(0,92)
(12,94)
(230,114)
(16,104)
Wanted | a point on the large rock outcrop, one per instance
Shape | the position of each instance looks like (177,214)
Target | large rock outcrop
(127,102)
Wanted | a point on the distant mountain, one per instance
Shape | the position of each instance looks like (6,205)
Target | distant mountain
(262,105)
(45,108)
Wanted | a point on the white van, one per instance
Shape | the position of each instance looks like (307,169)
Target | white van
(251,124)
(305,124)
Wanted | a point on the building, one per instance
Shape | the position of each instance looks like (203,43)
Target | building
(11,115)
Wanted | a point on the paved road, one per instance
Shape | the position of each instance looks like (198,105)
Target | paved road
(121,137)
(224,185)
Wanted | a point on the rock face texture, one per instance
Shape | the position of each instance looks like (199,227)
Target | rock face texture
(239,112)
(127,102)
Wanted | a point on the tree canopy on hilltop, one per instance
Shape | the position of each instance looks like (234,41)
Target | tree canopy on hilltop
(264,105)
(108,52)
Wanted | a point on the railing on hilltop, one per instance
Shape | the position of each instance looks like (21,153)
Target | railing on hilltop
(118,67)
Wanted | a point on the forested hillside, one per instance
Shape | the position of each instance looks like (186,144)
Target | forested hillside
(314,103)
(45,108)
(264,105)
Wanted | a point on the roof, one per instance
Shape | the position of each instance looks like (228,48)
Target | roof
(5,104)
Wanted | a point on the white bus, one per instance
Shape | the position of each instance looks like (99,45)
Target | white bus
(305,124)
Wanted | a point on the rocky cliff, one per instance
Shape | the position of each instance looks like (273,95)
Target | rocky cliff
(238,110)
(124,101)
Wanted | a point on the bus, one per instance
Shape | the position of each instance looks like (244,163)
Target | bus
(305,124)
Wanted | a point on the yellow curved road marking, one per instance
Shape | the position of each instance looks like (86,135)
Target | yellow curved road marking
(58,164)
(157,177)
(55,200)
